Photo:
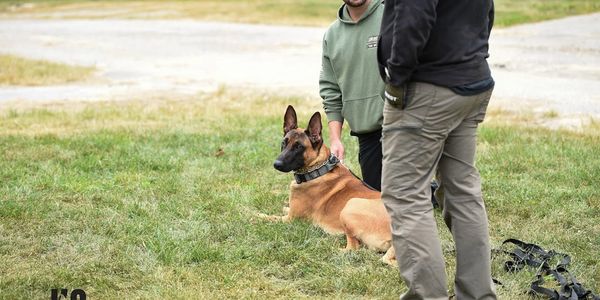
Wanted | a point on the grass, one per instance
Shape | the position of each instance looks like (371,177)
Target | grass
(26,72)
(306,12)
(513,12)
(157,200)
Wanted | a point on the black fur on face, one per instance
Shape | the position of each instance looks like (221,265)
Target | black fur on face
(292,152)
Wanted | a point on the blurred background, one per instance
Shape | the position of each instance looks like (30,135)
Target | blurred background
(124,49)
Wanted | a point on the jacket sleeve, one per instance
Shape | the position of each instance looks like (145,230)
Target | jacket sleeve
(413,20)
(491,18)
(329,89)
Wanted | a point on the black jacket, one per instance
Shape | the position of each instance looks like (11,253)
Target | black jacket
(443,42)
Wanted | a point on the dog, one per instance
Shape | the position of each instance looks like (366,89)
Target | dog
(327,193)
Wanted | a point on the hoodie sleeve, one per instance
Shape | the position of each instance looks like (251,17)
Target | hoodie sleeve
(412,23)
(329,89)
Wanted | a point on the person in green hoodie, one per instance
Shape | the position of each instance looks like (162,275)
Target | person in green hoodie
(350,85)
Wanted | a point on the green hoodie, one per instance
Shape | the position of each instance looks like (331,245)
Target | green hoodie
(349,83)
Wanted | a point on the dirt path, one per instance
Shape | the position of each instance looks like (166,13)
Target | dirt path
(551,66)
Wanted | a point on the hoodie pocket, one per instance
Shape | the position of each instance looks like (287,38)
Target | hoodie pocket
(364,115)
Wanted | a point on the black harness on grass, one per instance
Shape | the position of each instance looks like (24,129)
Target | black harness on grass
(532,255)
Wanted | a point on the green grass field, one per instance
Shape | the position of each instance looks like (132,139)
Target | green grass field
(20,71)
(157,200)
(305,12)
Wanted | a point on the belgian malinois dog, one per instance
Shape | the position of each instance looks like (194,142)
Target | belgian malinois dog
(327,193)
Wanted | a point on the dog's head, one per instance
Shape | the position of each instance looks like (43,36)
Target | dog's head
(300,147)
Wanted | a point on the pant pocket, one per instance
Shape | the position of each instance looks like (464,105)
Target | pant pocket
(420,97)
(485,100)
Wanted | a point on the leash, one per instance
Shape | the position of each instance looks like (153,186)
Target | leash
(363,182)
(532,255)
(323,169)
(332,162)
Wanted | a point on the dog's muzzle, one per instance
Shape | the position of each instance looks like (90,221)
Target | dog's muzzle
(279,165)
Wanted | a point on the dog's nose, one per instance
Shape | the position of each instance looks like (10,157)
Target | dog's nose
(278,164)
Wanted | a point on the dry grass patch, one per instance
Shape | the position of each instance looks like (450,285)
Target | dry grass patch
(205,113)
(27,72)
(305,12)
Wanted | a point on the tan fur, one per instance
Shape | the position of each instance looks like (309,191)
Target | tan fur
(339,203)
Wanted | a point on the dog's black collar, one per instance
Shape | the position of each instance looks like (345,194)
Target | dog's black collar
(331,163)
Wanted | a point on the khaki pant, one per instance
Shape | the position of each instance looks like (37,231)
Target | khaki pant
(437,128)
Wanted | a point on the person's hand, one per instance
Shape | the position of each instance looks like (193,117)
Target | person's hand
(337,149)
(395,96)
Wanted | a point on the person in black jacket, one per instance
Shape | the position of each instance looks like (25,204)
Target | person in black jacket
(432,55)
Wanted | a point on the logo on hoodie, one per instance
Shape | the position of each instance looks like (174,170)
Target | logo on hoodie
(372,41)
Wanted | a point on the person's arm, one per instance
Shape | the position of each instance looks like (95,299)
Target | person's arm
(413,20)
(335,142)
(332,103)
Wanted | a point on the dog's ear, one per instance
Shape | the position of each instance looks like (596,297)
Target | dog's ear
(290,121)
(314,129)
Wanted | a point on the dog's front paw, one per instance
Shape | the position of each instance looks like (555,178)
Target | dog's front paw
(391,262)
(389,258)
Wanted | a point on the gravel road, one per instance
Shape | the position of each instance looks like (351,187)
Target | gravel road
(549,66)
